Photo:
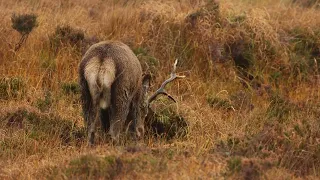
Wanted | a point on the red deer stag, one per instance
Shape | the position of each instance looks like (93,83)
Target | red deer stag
(114,90)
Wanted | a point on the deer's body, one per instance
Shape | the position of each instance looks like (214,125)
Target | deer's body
(111,80)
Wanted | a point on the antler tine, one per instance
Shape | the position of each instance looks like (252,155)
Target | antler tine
(161,90)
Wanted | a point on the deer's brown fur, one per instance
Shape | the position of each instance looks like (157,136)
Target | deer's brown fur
(112,82)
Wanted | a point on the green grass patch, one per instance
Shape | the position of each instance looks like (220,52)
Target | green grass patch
(12,88)
(32,132)
(70,88)
(106,167)
(166,123)
(280,108)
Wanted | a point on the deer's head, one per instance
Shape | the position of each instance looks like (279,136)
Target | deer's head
(144,107)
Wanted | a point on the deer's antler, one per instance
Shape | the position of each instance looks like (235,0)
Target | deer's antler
(161,90)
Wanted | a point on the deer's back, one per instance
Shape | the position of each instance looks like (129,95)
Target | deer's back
(128,71)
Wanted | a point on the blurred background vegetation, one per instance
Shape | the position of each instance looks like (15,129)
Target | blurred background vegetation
(248,109)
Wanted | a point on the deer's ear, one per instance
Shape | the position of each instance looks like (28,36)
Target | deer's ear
(146,82)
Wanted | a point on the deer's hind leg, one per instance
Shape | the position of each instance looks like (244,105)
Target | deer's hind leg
(91,75)
(100,75)
(133,119)
(119,111)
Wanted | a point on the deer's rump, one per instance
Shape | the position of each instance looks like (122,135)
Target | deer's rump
(100,75)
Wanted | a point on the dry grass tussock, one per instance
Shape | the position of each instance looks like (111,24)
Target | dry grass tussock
(248,109)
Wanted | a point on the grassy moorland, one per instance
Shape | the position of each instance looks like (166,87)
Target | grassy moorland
(248,109)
